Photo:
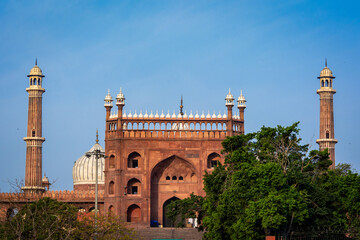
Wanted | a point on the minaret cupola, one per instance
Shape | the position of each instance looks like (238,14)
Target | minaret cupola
(108,100)
(326,78)
(229,100)
(241,101)
(35,77)
(120,99)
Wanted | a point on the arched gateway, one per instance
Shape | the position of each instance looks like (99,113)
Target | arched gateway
(172,178)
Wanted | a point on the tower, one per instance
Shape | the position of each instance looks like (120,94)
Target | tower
(326,92)
(34,139)
(229,103)
(241,106)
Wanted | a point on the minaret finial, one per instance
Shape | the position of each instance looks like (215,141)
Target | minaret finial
(181,106)
(36,61)
(325,62)
(97,137)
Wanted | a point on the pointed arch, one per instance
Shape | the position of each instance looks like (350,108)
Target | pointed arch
(134,160)
(133,213)
(134,186)
(112,161)
(213,159)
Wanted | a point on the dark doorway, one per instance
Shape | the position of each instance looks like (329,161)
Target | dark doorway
(166,221)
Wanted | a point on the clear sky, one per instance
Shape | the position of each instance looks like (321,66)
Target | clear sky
(158,50)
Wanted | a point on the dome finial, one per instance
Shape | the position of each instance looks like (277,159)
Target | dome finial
(181,106)
(97,137)
(36,61)
(325,62)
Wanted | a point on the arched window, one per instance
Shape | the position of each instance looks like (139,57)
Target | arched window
(112,161)
(33,133)
(326,83)
(134,160)
(327,134)
(111,209)
(174,178)
(181,178)
(134,213)
(133,186)
(167,178)
(111,187)
(213,160)
(322,83)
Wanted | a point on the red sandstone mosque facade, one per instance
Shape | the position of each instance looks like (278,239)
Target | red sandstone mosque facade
(151,159)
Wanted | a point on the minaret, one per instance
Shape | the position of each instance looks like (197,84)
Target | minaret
(326,92)
(241,106)
(34,139)
(229,103)
(120,103)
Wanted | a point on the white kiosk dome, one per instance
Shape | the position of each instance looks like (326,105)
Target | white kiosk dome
(84,170)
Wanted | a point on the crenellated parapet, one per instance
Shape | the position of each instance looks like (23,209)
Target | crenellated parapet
(119,124)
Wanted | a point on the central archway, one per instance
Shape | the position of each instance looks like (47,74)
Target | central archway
(172,177)
(167,221)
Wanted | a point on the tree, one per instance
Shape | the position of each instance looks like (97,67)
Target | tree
(270,183)
(50,219)
(43,219)
(179,210)
(107,227)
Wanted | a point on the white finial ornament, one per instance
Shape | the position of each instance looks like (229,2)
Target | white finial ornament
(196,115)
(208,115)
(214,115)
(191,116)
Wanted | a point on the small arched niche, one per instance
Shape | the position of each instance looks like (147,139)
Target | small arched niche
(111,209)
(134,160)
(112,161)
(133,186)
(111,187)
(212,160)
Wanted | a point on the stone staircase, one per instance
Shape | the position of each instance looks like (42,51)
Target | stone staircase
(168,233)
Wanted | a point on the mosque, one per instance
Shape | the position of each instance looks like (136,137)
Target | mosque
(149,159)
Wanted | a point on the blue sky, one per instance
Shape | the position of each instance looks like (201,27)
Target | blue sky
(158,50)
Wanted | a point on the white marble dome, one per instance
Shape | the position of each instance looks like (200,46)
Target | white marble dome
(85,167)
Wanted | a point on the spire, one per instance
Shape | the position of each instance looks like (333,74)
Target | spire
(36,61)
(325,62)
(181,106)
(97,137)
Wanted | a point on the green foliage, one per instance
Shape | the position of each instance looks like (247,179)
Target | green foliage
(107,227)
(270,183)
(190,207)
(50,219)
(43,219)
